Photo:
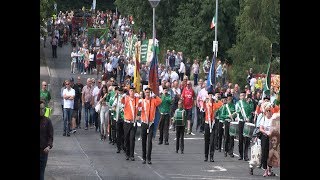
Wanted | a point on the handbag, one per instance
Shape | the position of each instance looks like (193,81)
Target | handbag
(98,107)
(255,154)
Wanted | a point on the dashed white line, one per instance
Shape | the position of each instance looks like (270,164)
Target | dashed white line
(90,162)
(150,167)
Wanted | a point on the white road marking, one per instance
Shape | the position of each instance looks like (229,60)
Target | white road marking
(215,169)
(151,168)
(91,163)
(189,138)
(48,69)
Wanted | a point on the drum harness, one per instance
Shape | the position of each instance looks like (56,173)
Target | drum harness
(243,112)
(229,112)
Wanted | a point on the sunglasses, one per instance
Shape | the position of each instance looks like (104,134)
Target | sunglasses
(44,85)
(67,84)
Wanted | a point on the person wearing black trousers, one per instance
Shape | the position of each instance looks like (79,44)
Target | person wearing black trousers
(148,106)
(228,114)
(118,118)
(209,127)
(220,123)
(180,120)
(165,116)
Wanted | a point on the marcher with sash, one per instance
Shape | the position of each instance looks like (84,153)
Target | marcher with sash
(228,114)
(165,116)
(130,113)
(118,116)
(209,127)
(217,103)
(244,114)
(221,121)
(148,109)
(110,99)
(180,120)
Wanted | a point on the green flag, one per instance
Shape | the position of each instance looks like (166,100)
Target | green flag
(267,82)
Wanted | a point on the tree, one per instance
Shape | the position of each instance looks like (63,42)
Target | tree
(258,27)
(46,9)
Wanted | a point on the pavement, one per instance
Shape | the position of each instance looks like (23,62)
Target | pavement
(82,156)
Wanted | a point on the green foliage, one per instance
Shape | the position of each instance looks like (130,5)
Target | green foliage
(46,9)
(246,29)
(258,28)
(67,5)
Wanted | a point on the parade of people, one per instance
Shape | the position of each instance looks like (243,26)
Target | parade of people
(159,106)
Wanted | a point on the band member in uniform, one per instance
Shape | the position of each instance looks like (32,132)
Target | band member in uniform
(221,121)
(165,116)
(180,120)
(217,103)
(228,114)
(244,114)
(118,116)
(148,108)
(209,127)
(130,113)
(110,100)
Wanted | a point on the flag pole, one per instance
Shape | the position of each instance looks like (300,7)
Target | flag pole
(216,30)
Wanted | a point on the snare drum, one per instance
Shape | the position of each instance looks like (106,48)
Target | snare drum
(234,129)
(248,129)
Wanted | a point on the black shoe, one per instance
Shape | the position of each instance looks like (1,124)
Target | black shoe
(246,159)
(132,159)
(166,143)
(231,155)
(68,134)
(127,157)
(176,151)
(240,158)
(225,154)
(181,152)
(211,159)
(144,162)
(110,142)
(149,162)
(206,159)
(251,171)
(160,142)
(64,134)
(219,150)
(118,151)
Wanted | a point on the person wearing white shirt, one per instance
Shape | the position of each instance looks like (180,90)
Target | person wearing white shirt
(182,70)
(68,102)
(174,76)
(202,94)
(219,71)
(130,69)
(74,55)
(164,75)
(108,67)
(95,92)
(265,129)
(253,81)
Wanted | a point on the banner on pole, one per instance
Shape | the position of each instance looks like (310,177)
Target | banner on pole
(144,50)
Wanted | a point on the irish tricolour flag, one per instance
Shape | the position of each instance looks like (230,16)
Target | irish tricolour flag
(213,23)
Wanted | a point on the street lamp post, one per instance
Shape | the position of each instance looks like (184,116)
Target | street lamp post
(154,4)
